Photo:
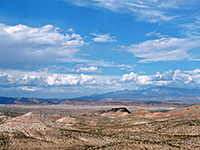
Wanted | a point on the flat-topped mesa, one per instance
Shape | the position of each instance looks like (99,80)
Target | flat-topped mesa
(119,109)
(116,112)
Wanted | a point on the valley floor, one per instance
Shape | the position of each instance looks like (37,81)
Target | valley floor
(99,128)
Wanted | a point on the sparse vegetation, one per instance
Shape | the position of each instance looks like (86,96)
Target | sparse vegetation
(108,129)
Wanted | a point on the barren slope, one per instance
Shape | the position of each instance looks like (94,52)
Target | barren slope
(107,129)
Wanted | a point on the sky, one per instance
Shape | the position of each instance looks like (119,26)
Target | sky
(72,48)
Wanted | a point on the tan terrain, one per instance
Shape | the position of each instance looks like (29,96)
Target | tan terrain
(116,128)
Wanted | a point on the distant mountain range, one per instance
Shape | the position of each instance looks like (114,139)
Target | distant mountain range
(23,100)
(160,93)
(155,94)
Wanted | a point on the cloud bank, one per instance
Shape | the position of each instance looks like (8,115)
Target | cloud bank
(175,78)
(38,81)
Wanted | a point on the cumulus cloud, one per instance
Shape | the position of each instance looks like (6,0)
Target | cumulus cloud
(42,83)
(33,82)
(136,79)
(22,45)
(172,78)
(68,79)
(6,79)
(87,69)
(103,38)
(164,49)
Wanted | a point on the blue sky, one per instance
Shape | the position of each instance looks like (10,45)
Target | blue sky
(67,48)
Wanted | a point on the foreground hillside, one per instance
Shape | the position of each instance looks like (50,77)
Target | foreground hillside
(116,128)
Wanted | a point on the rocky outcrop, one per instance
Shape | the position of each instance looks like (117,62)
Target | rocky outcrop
(120,111)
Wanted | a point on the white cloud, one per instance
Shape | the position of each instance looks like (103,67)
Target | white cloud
(33,81)
(192,29)
(6,79)
(157,34)
(70,30)
(22,45)
(129,77)
(29,89)
(164,49)
(170,78)
(103,38)
(40,81)
(146,10)
(110,64)
(68,79)
(43,84)
(136,79)
(101,63)
(71,84)
(87,69)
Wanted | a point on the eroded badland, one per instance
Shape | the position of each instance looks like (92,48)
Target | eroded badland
(107,128)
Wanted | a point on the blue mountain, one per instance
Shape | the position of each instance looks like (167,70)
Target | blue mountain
(160,93)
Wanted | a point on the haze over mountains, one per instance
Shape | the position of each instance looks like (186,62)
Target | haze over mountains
(23,100)
(161,93)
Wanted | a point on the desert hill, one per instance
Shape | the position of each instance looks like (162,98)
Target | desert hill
(114,128)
